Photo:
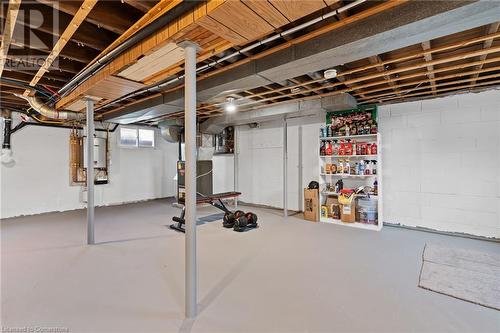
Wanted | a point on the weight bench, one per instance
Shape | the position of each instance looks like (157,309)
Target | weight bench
(213,199)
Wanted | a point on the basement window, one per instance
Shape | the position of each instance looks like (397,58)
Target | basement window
(137,138)
(146,138)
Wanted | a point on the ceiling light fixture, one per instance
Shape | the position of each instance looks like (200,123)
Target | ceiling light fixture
(330,73)
(230,105)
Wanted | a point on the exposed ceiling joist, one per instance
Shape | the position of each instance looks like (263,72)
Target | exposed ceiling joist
(79,17)
(8,30)
(101,16)
(492,28)
(428,57)
(54,23)
(143,6)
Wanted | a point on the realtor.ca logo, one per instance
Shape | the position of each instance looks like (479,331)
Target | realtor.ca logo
(35,31)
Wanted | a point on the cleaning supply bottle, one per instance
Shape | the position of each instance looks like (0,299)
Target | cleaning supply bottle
(374,149)
(328,149)
(348,148)
(335,147)
(375,187)
(374,167)
(347,167)
(340,168)
(342,148)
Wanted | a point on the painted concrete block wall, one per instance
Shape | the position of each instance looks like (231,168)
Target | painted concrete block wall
(441,160)
(39,182)
(442,163)
(260,176)
(223,173)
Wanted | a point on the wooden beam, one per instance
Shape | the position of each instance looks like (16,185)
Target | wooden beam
(8,30)
(108,15)
(172,32)
(428,57)
(87,33)
(79,17)
(375,60)
(492,28)
(330,27)
(348,83)
(19,76)
(71,50)
(143,6)
(467,86)
(465,55)
(418,83)
(158,10)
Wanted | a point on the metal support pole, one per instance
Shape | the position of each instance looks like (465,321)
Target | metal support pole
(235,164)
(285,168)
(190,49)
(90,172)
(301,172)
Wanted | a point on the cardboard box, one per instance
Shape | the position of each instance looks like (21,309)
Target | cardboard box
(311,209)
(348,213)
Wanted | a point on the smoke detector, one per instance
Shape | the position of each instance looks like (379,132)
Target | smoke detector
(295,90)
(330,73)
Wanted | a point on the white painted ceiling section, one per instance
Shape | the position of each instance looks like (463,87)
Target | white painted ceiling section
(153,63)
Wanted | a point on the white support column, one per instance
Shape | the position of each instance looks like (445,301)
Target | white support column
(285,168)
(235,165)
(90,172)
(190,50)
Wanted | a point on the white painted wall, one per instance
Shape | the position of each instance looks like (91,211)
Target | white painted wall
(441,166)
(39,182)
(223,173)
(441,161)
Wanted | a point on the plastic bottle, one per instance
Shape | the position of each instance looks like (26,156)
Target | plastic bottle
(367,168)
(348,147)
(342,148)
(335,147)
(347,167)
(322,150)
(375,187)
(374,168)
(354,147)
(340,168)
(374,149)
(328,149)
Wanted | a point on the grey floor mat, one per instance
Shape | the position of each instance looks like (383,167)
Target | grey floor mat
(467,275)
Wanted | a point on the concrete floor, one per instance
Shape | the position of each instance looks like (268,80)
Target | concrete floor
(286,276)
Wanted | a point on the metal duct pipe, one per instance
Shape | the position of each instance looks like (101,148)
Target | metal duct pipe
(49,112)
(139,36)
(165,83)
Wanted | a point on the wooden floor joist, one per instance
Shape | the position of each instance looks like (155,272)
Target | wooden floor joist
(8,30)
(79,17)
(491,29)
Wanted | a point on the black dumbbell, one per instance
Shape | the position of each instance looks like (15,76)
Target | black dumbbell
(228,220)
(252,220)
(240,224)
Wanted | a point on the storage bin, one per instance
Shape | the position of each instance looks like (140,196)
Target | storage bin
(367,210)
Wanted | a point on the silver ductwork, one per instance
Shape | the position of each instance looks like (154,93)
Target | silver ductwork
(288,110)
(49,112)
(338,102)
(171,130)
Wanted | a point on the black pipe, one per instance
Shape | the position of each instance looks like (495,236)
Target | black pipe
(6,133)
(23,124)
